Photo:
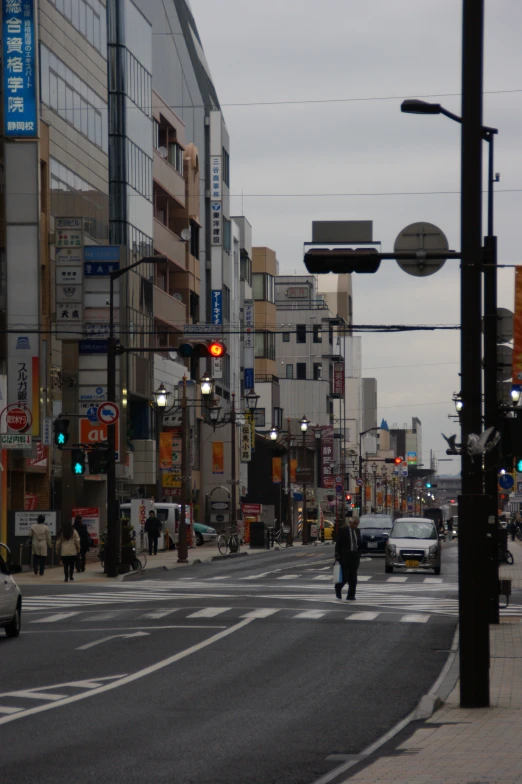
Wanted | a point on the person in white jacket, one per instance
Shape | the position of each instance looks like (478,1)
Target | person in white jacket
(68,548)
(40,541)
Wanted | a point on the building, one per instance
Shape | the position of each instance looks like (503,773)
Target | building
(407,443)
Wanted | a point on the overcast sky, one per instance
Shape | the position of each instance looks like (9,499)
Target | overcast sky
(287,159)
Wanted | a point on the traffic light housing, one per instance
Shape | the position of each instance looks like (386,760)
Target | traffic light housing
(518,465)
(78,462)
(98,461)
(342,260)
(201,349)
(61,432)
(395,460)
(428,485)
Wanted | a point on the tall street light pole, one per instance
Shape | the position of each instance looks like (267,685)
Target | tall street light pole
(233,464)
(304,427)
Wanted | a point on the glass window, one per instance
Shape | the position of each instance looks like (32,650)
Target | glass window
(69,105)
(289,371)
(75,18)
(227,234)
(318,371)
(67,9)
(317,336)
(90,24)
(59,5)
(77,115)
(84,111)
(257,285)
(301,371)
(300,331)
(97,32)
(44,75)
(83,18)
(91,132)
(286,337)
(61,97)
(259,417)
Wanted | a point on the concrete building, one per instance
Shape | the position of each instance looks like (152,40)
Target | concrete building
(407,443)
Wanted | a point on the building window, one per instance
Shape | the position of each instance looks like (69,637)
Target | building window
(289,371)
(318,371)
(139,170)
(263,286)
(301,371)
(317,337)
(264,345)
(139,84)
(277,417)
(226,303)
(226,167)
(88,17)
(300,331)
(246,268)
(71,195)
(259,417)
(286,337)
(227,235)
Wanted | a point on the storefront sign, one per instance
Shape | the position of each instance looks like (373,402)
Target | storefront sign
(24,521)
(246,443)
(517,329)
(338,379)
(251,510)
(218,457)
(19,65)
(217,306)
(277,470)
(327,456)
(91,518)
(165,451)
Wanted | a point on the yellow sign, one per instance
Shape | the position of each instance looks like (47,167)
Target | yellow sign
(172,478)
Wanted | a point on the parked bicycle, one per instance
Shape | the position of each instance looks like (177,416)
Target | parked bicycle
(228,541)
(505,556)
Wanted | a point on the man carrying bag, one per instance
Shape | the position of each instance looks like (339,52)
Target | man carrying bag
(348,555)
(153,528)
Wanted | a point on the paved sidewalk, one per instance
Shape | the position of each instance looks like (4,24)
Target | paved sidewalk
(456,746)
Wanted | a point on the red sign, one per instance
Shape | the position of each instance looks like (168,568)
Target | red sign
(327,457)
(338,379)
(30,501)
(96,433)
(251,510)
(18,419)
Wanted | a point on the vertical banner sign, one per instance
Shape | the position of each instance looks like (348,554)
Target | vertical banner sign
(248,343)
(412,458)
(246,443)
(368,493)
(251,422)
(327,454)
(19,62)
(338,379)
(218,457)
(277,470)
(165,451)
(217,306)
(215,197)
(293,471)
(517,329)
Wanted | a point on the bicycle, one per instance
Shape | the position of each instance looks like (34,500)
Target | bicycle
(140,560)
(504,556)
(228,541)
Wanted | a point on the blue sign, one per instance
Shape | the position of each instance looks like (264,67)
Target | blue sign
(92,346)
(217,306)
(410,508)
(19,62)
(98,269)
(92,414)
(101,253)
(249,378)
(506,481)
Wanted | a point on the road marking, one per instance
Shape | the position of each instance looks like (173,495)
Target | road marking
(227,577)
(397,579)
(289,577)
(55,618)
(310,614)
(415,618)
(433,579)
(363,578)
(257,576)
(131,678)
(262,612)
(209,612)
(159,613)
(112,637)
(33,695)
(363,616)
(322,577)
(107,616)
(10,710)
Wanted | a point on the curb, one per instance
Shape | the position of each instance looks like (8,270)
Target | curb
(226,557)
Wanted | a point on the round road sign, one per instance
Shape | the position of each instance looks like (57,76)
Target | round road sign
(108,413)
(359,483)
(338,480)
(506,481)
(421,237)
(18,418)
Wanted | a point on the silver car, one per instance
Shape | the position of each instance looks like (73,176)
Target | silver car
(413,544)
(10,599)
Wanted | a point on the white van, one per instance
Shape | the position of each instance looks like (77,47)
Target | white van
(169,514)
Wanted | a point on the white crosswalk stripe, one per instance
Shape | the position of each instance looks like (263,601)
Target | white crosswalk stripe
(56,618)
(209,612)
(262,612)
(363,616)
(396,579)
(415,618)
(310,614)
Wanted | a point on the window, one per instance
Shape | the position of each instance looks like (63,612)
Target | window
(318,371)
(139,170)
(71,192)
(226,303)
(289,371)
(317,336)
(246,268)
(300,331)
(139,85)
(227,235)
(226,167)
(286,337)
(264,345)
(263,286)
(301,371)
(88,17)
(277,417)
(259,417)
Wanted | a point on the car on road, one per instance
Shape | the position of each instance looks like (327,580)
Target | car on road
(204,533)
(10,597)
(375,530)
(413,543)
(329,530)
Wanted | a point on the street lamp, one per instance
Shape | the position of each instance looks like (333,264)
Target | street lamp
(304,422)
(206,386)
(251,400)
(273,434)
(161,397)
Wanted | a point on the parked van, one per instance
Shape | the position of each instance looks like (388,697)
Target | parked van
(169,514)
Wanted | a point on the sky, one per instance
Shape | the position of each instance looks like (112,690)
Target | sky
(337,147)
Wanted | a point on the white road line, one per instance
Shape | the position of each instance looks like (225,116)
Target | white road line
(289,577)
(227,577)
(262,612)
(414,618)
(322,577)
(55,618)
(309,614)
(257,576)
(209,612)
(10,710)
(363,578)
(134,677)
(433,579)
(107,616)
(397,579)
(362,616)
(159,613)
(37,695)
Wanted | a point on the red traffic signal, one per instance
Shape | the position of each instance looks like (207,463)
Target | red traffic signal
(398,460)
(216,349)
(207,348)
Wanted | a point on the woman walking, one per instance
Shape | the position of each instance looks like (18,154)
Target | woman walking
(68,548)
(40,541)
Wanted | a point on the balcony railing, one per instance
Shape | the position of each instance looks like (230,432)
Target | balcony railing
(169,309)
(169,244)
(266,378)
(169,179)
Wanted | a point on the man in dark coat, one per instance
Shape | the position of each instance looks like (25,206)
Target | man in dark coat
(153,528)
(348,553)
(85,542)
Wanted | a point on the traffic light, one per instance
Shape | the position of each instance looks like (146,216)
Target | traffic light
(61,434)
(348,497)
(428,484)
(78,462)
(98,461)
(518,465)
(207,348)
(395,460)
(342,260)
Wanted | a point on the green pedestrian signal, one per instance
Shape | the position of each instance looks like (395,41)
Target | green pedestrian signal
(78,462)
(518,465)
(428,484)
(61,431)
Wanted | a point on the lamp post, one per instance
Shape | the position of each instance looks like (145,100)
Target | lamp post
(113,547)
(161,396)
(288,441)
(374,469)
(384,481)
(370,430)
(318,432)
(304,422)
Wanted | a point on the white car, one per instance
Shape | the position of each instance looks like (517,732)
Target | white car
(10,601)
(413,543)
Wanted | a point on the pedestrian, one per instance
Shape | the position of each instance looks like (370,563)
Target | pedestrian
(68,548)
(153,528)
(40,541)
(348,553)
(450,529)
(85,542)
(512,528)
(518,523)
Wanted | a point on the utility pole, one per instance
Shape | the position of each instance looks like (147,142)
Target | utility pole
(186,483)
(473,588)
(233,494)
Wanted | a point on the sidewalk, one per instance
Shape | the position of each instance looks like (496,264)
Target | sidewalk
(479,746)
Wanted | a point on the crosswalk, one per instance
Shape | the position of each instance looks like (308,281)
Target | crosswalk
(17,702)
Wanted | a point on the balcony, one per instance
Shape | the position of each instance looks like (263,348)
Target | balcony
(168,178)
(168,244)
(169,309)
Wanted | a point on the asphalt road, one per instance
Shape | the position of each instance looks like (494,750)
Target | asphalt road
(246,670)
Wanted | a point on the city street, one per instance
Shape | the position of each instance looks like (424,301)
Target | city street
(241,670)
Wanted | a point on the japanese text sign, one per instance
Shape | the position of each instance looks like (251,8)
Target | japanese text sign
(19,61)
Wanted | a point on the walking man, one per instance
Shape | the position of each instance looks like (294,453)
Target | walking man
(348,553)
(153,528)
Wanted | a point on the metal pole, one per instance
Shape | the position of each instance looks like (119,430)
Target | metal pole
(473,589)
(185,479)
(233,496)
(113,546)
(290,512)
(305,538)
(159,477)
(491,411)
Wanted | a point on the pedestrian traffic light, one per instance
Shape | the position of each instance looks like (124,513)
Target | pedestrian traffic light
(78,462)
(398,460)
(342,260)
(207,348)
(518,465)
(348,497)
(61,434)
(428,484)
(98,461)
